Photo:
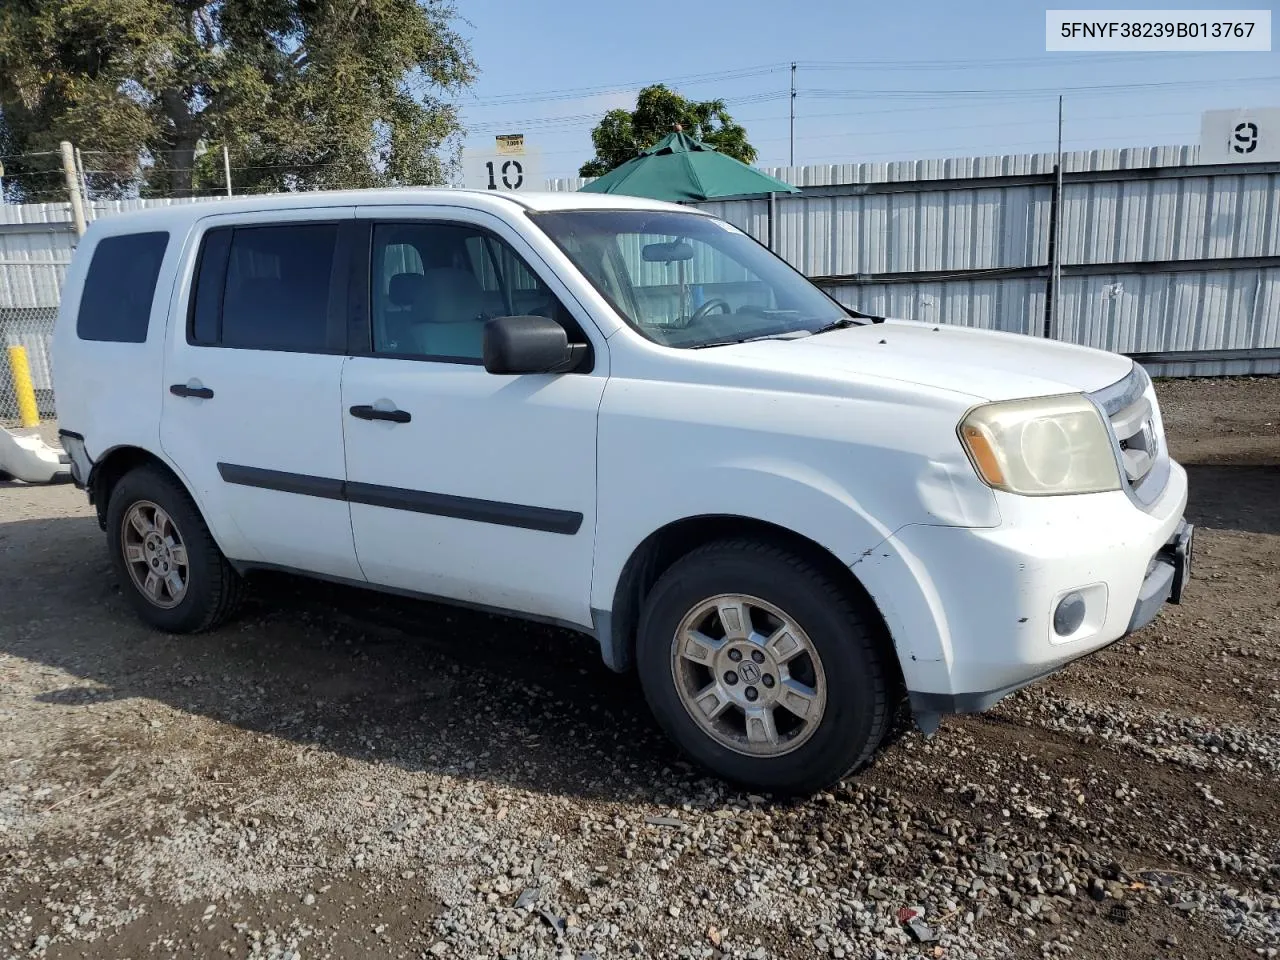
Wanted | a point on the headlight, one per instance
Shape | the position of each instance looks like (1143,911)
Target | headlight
(1041,447)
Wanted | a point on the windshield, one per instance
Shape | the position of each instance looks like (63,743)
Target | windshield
(689,280)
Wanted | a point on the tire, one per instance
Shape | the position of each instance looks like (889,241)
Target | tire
(841,644)
(212,587)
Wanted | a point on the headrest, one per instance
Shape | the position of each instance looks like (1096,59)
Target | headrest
(406,289)
(453,296)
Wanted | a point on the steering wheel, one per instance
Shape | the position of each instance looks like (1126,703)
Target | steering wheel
(707,307)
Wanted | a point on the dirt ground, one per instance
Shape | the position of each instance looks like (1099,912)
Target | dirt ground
(339,774)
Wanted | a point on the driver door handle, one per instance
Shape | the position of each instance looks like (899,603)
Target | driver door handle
(366,412)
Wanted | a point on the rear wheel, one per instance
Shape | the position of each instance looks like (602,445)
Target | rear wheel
(763,667)
(168,566)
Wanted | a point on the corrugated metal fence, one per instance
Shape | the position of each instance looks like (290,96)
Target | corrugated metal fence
(1174,262)
(1170,261)
(36,243)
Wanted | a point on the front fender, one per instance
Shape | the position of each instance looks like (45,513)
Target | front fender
(786,495)
(806,502)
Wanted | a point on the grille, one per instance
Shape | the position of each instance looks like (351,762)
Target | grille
(1134,427)
(1130,406)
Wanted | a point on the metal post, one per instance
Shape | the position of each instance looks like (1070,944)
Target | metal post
(226,167)
(23,391)
(84,182)
(773,219)
(73,186)
(1057,236)
(1053,287)
(793,114)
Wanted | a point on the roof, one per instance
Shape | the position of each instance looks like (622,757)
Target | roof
(493,201)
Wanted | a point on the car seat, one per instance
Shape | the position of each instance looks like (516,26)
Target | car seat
(398,333)
(449,315)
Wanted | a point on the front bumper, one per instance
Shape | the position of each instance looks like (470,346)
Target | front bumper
(976,622)
(1166,578)
(1165,582)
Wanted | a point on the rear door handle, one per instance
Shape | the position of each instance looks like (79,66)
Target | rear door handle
(182,390)
(366,412)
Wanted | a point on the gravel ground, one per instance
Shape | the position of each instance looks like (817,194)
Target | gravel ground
(336,774)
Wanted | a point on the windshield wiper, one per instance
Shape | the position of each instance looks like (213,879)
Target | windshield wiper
(785,335)
(841,324)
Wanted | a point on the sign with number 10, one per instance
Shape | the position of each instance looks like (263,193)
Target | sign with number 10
(509,170)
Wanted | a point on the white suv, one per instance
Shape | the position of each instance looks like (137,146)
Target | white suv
(625,417)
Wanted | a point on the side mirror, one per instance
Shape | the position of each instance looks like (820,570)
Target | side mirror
(529,345)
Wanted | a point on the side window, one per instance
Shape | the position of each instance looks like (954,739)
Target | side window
(119,287)
(265,288)
(206,302)
(435,284)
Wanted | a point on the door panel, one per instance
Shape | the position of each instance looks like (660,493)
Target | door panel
(486,493)
(264,454)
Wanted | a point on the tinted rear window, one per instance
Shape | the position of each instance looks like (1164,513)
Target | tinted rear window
(206,310)
(276,295)
(120,286)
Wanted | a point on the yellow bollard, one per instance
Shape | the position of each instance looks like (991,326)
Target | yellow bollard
(22,388)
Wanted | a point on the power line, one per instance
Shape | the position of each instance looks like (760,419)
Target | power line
(571,93)
(1027,92)
(1052,60)
(943,100)
(593,118)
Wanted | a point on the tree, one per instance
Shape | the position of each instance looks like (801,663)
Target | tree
(306,93)
(624,133)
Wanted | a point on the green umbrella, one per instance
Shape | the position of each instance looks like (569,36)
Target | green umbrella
(680,168)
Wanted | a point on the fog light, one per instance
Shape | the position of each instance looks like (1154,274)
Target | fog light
(1069,615)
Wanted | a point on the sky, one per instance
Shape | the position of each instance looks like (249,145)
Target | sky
(876,81)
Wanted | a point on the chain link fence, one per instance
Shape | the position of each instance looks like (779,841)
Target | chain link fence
(28,308)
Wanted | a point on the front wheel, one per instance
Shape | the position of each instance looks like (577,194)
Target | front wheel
(763,667)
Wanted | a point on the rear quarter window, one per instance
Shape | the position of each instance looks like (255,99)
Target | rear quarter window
(115,304)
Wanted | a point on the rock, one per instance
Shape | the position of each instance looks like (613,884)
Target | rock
(920,931)
(528,897)
(664,822)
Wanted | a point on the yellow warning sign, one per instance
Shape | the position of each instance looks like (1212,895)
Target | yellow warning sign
(510,144)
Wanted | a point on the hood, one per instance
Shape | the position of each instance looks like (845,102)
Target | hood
(984,364)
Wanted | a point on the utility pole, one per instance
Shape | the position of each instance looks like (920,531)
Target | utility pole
(793,113)
(226,167)
(1053,319)
(73,186)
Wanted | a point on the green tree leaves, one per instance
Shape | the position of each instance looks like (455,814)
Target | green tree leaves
(622,134)
(306,93)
